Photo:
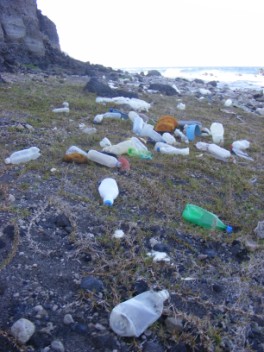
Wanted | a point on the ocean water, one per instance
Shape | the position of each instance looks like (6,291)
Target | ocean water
(234,77)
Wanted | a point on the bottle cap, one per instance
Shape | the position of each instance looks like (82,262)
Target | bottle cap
(8,161)
(229,229)
(108,202)
(164,294)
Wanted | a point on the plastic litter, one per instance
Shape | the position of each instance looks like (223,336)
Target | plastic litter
(217,132)
(23,156)
(169,138)
(76,155)
(215,150)
(123,114)
(183,137)
(134,103)
(170,150)
(238,148)
(148,131)
(108,190)
(103,159)
(65,108)
(228,102)
(181,106)
(105,142)
(142,154)
(134,316)
(199,216)
(87,130)
(98,118)
(192,131)
(166,123)
(122,147)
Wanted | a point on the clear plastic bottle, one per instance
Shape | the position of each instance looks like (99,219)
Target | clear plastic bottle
(23,156)
(147,130)
(134,316)
(217,132)
(169,149)
(219,152)
(199,216)
(103,159)
(108,190)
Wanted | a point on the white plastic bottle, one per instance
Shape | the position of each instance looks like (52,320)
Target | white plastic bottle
(108,190)
(112,115)
(179,133)
(217,132)
(169,138)
(134,316)
(218,152)
(23,156)
(103,159)
(148,131)
(169,149)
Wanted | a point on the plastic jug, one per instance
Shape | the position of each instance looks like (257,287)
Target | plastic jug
(108,190)
(199,216)
(217,132)
(134,316)
(103,159)
(23,156)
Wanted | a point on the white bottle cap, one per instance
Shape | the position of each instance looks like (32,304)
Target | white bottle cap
(8,161)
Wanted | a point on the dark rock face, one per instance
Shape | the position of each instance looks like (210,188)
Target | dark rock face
(29,41)
(163,88)
(103,90)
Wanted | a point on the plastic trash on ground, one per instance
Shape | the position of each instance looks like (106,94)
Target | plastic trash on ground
(141,154)
(215,150)
(169,138)
(134,316)
(64,108)
(134,103)
(105,142)
(23,156)
(181,106)
(122,147)
(199,216)
(87,130)
(76,155)
(228,102)
(238,148)
(192,131)
(103,159)
(170,150)
(217,132)
(166,123)
(108,190)
(183,137)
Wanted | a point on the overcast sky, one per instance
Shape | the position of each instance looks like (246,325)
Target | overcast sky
(144,33)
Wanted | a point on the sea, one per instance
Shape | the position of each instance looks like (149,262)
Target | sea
(234,77)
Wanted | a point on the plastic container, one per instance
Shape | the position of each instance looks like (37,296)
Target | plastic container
(138,123)
(147,130)
(134,316)
(182,123)
(169,138)
(242,144)
(183,137)
(108,190)
(119,148)
(142,154)
(199,216)
(105,142)
(168,149)
(112,115)
(123,114)
(217,132)
(98,118)
(219,152)
(23,156)
(75,154)
(58,110)
(193,131)
(103,159)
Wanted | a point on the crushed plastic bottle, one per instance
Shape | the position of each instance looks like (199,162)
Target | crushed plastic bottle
(215,150)
(23,156)
(238,148)
(108,190)
(142,154)
(134,316)
(199,216)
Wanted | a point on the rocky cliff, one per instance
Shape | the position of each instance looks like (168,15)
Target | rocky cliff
(29,41)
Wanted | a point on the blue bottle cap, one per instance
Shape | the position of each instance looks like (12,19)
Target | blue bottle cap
(229,229)
(108,202)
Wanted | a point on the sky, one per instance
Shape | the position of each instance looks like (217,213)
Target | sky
(161,33)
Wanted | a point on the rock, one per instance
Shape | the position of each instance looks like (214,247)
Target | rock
(103,90)
(153,73)
(153,347)
(68,319)
(259,230)
(22,330)
(163,88)
(57,346)
(251,245)
(93,284)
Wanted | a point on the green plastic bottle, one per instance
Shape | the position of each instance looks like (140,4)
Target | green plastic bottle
(142,154)
(204,218)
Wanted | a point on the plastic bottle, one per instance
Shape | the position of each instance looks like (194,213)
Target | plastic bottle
(183,137)
(108,190)
(112,115)
(217,132)
(75,154)
(142,154)
(147,130)
(134,316)
(137,125)
(23,156)
(123,114)
(168,138)
(103,159)
(218,152)
(168,149)
(199,216)
(105,142)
